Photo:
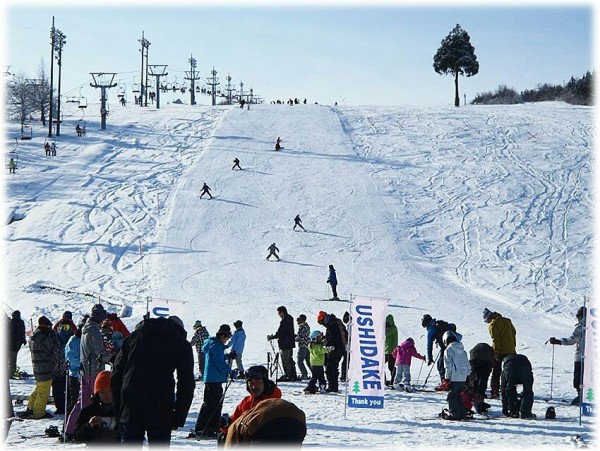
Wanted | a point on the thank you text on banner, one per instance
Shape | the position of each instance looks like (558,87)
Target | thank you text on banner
(366,373)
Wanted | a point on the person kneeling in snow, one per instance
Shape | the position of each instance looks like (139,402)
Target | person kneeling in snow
(516,370)
(457,368)
(260,388)
(96,422)
(272,421)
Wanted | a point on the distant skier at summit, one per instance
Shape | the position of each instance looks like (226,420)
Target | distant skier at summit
(278,144)
(332,280)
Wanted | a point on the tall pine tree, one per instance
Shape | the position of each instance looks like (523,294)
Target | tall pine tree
(456,56)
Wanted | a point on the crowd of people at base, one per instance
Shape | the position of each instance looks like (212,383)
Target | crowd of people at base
(138,399)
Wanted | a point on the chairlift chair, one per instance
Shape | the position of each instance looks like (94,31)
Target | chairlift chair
(15,157)
(136,88)
(83,102)
(26,133)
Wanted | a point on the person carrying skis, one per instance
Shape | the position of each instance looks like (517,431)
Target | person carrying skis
(317,350)
(298,223)
(286,341)
(336,336)
(391,342)
(200,336)
(516,370)
(236,164)
(237,347)
(205,190)
(332,280)
(278,144)
(577,338)
(504,342)
(273,251)
(260,388)
(216,372)
(303,340)
(457,370)
(403,355)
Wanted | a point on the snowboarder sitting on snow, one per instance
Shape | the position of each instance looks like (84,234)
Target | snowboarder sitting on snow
(273,251)
(403,355)
(278,144)
(96,422)
(332,280)
(236,164)
(457,369)
(317,350)
(577,339)
(260,388)
(298,223)
(205,190)
(516,370)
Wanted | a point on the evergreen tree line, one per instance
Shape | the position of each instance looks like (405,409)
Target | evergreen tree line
(576,91)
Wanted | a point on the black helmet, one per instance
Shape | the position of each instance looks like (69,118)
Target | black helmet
(426,319)
(256,372)
(550,413)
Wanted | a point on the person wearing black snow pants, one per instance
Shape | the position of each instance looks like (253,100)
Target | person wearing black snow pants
(332,280)
(516,370)
(205,190)
(273,251)
(481,358)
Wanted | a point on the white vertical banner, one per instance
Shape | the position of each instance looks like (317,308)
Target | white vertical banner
(592,329)
(366,373)
(163,308)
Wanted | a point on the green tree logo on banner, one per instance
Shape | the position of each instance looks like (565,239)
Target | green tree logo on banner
(356,388)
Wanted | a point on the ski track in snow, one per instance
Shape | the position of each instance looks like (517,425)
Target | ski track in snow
(442,211)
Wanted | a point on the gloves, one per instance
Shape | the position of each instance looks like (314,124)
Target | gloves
(224,421)
(232,355)
(330,348)
(554,341)
(270,337)
(234,374)
(429,362)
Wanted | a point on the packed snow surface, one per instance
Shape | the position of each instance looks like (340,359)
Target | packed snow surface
(438,210)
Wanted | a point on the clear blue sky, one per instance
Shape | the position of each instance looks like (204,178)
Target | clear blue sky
(349,54)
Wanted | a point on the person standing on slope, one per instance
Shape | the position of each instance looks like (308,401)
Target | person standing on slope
(236,164)
(391,342)
(205,190)
(298,223)
(273,251)
(285,336)
(278,144)
(504,342)
(332,280)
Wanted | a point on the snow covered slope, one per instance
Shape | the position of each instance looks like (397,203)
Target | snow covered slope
(442,211)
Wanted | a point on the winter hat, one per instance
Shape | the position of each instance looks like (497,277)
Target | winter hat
(486,315)
(177,320)
(98,313)
(102,381)
(224,331)
(550,413)
(346,317)
(16,314)
(321,316)
(107,326)
(238,324)
(44,322)
(301,317)
(426,320)
(68,315)
(197,324)
(410,340)
(580,312)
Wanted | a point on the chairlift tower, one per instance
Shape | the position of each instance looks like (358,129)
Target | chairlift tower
(241,96)
(103,80)
(144,84)
(157,70)
(59,41)
(213,83)
(192,75)
(229,90)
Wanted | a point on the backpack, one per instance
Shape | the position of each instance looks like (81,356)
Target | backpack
(343,332)
(443,326)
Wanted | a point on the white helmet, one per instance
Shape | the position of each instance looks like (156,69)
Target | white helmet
(447,336)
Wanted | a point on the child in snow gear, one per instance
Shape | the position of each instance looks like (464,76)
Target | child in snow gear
(391,342)
(73,356)
(516,370)
(481,358)
(402,356)
(317,350)
(216,372)
(577,339)
(457,369)
(260,388)
(236,344)
(278,144)
(200,336)
(303,340)
(504,342)
(205,190)
(273,251)
(97,422)
(271,422)
(336,336)
(298,223)
(236,164)
(332,280)
(286,339)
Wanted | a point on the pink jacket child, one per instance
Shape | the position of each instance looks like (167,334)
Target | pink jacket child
(403,355)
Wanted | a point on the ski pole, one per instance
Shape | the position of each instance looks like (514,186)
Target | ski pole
(432,365)
(552,372)
(218,407)
(419,376)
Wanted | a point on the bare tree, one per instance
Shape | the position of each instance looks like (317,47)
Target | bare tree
(20,99)
(42,92)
